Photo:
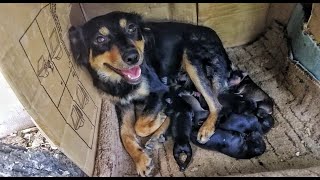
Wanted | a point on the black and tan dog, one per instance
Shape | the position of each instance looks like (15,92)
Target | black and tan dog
(113,47)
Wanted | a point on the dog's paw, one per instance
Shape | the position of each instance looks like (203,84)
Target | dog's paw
(154,140)
(205,132)
(144,165)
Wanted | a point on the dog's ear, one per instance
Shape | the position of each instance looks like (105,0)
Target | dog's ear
(78,46)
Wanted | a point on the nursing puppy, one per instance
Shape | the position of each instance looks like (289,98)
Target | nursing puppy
(239,133)
(181,115)
(183,110)
(233,143)
(245,87)
(242,85)
(242,123)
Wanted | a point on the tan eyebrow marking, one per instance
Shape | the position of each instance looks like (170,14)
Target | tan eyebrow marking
(104,31)
(123,23)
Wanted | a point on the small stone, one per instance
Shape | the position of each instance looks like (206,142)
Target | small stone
(298,153)
(65,173)
(308,131)
(56,156)
(194,169)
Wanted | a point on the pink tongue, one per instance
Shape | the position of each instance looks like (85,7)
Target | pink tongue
(132,73)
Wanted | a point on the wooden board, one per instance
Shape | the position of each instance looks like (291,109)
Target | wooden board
(170,11)
(280,12)
(235,23)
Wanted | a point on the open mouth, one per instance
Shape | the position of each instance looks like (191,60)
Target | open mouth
(131,75)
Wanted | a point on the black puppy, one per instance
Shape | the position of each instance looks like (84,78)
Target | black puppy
(242,85)
(181,115)
(232,143)
(243,123)
(184,110)
(238,136)
(249,127)
(234,103)
(267,122)
(239,133)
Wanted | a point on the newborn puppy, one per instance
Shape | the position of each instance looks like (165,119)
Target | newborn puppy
(199,113)
(249,127)
(267,122)
(241,84)
(181,128)
(181,115)
(234,103)
(237,135)
(183,110)
(232,143)
(242,123)
(251,91)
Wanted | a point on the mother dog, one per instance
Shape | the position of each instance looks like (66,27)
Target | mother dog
(113,48)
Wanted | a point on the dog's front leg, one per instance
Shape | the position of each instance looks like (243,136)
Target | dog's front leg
(151,118)
(143,162)
(210,95)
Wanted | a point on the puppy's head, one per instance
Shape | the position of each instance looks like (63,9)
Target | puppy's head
(112,45)
(236,77)
(256,144)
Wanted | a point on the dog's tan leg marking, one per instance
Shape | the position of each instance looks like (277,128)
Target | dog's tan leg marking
(141,159)
(208,127)
(158,136)
(148,124)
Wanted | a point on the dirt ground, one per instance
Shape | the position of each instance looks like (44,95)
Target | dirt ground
(28,153)
(291,144)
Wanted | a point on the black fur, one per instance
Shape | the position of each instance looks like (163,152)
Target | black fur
(181,116)
(165,43)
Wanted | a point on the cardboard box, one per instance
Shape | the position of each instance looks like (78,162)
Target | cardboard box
(36,61)
(59,95)
(304,48)
(314,21)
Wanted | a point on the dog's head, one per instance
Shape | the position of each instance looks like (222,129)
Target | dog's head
(112,45)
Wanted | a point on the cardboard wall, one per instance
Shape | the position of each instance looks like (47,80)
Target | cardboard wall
(314,22)
(304,48)
(59,95)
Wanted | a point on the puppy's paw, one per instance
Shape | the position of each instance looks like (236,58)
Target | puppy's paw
(154,140)
(205,132)
(144,165)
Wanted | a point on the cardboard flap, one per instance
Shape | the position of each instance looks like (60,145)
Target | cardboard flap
(314,21)
(36,61)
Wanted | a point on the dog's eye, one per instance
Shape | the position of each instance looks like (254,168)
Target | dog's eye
(131,28)
(101,39)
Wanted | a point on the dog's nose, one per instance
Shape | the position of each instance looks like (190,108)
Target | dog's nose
(131,57)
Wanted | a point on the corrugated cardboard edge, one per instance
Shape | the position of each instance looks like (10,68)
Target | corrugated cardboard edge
(304,48)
